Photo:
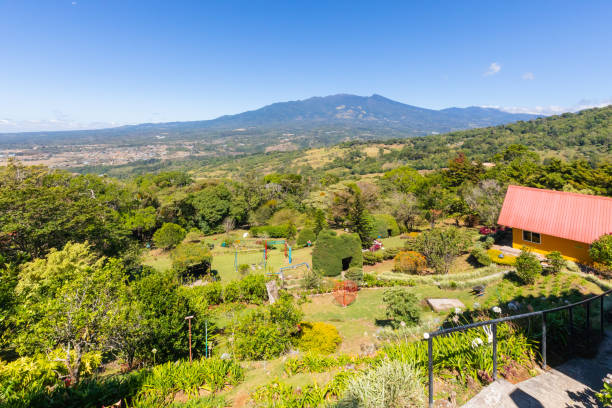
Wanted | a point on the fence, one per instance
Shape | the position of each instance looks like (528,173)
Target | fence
(494,322)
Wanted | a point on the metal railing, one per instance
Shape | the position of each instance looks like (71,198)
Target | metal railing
(494,322)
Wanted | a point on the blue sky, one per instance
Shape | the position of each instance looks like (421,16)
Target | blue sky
(87,64)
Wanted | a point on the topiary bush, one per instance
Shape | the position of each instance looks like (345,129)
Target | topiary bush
(409,262)
(384,226)
(372,258)
(528,266)
(332,250)
(319,337)
(306,235)
(169,235)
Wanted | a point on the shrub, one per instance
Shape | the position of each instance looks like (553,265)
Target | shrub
(392,384)
(402,306)
(169,235)
(480,255)
(390,253)
(250,289)
(306,235)
(441,246)
(384,226)
(243,269)
(409,262)
(488,242)
(319,337)
(331,249)
(601,250)
(287,231)
(311,280)
(372,258)
(212,293)
(265,333)
(355,274)
(555,261)
(528,266)
(192,259)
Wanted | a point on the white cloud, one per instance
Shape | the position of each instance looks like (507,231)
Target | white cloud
(50,125)
(555,109)
(494,68)
(74,3)
(528,76)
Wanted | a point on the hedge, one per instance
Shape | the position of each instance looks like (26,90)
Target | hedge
(331,249)
(306,235)
(191,259)
(275,231)
(383,224)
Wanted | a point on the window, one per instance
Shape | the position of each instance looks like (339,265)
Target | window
(531,237)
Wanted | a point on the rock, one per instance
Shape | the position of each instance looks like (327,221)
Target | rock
(272,289)
(226,356)
(439,305)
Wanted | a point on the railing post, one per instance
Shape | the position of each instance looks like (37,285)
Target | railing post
(494,350)
(571,324)
(544,340)
(430,368)
(601,315)
(588,322)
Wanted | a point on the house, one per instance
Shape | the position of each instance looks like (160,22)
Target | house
(547,220)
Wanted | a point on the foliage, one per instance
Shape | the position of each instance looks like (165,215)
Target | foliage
(169,235)
(319,337)
(528,266)
(69,301)
(305,235)
(311,279)
(266,332)
(441,246)
(409,262)
(486,199)
(385,226)
(250,289)
(275,231)
(190,258)
(480,255)
(354,274)
(556,262)
(42,209)
(601,250)
(402,306)
(372,258)
(605,395)
(331,249)
(391,384)
(349,209)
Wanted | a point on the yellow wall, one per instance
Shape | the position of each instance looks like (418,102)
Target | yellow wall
(572,250)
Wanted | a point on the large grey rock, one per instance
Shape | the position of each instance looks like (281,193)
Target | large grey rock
(439,305)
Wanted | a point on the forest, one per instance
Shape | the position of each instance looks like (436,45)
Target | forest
(98,273)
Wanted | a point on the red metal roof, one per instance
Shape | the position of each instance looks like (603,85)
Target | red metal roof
(578,217)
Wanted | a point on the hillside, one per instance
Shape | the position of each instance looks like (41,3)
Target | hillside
(571,136)
(311,122)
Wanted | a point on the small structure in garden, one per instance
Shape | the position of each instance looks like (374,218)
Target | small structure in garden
(345,292)
(440,305)
(547,220)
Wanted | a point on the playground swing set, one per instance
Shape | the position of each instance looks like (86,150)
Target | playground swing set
(264,260)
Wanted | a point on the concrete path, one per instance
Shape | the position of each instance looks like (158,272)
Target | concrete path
(570,385)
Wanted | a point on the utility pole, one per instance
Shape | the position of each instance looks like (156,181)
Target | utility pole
(188,318)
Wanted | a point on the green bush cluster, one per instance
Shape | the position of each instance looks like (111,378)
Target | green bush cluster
(354,274)
(191,259)
(267,332)
(601,250)
(480,255)
(528,267)
(250,289)
(169,235)
(556,262)
(409,262)
(402,306)
(319,337)
(305,235)
(332,248)
(385,226)
(287,231)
